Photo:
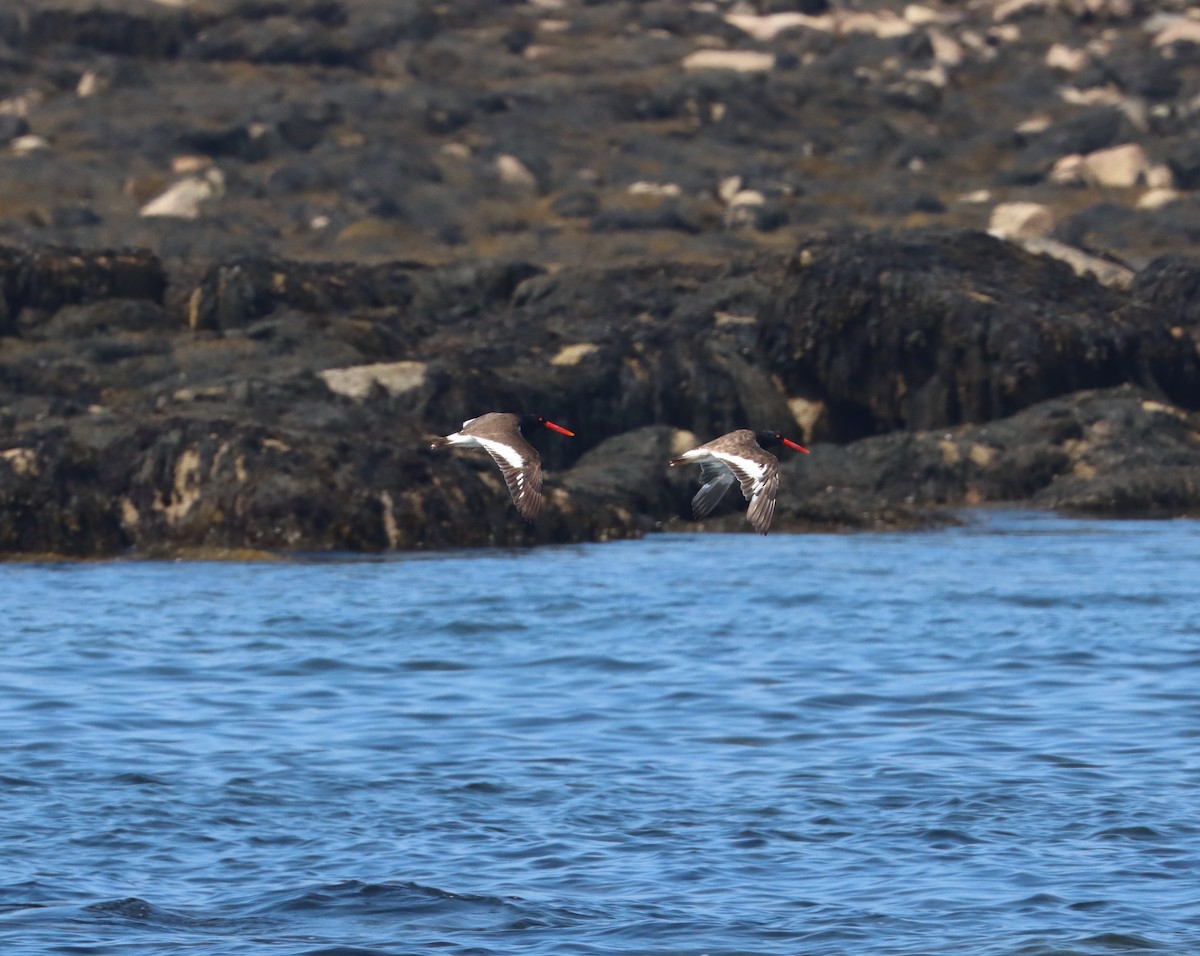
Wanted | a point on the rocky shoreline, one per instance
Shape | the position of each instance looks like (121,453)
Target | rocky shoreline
(253,254)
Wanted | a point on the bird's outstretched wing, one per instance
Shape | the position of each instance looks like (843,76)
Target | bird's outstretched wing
(521,467)
(760,484)
(717,479)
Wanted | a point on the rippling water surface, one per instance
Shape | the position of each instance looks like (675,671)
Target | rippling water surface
(983,740)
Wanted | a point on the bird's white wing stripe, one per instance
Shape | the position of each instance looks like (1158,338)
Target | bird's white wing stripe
(504,452)
(747,466)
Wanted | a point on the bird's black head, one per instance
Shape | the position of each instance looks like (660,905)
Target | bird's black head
(529,422)
(771,439)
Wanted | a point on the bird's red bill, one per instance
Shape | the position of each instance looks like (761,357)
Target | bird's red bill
(560,429)
(792,444)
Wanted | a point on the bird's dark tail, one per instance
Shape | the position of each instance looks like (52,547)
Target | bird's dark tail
(439,443)
(677,461)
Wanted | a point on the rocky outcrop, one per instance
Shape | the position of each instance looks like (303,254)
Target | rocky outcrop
(253,254)
(277,405)
(928,330)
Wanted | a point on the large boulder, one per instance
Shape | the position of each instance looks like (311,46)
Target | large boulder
(929,329)
(1117,452)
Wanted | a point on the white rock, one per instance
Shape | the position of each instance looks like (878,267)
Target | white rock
(729,187)
(935,76)
(946,50)
(357,381)
(885,25)
(183,200)
(748,197)
(23,461)
(1159,176)
(513,172)
(1178,30)
(20,105)
(1065,58)
(922,16)
(1016,8)
(1157,198)
(725,320)
(1021,220)
(1092,96)
(28,144)
(771,25)
(740,61)
(574,354)
(976,197)
(683,440)
(1069,171)
(1034,125)
(665,190)
(187,165)
(90,84)
(741,209)
(1119,166)
(1109,273)
(807,413)
(457,151)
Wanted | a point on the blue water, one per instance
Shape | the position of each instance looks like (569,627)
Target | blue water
(982,740)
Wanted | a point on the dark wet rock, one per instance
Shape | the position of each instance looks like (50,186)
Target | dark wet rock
(1093,129)
(43,281)
(51,501)
(11,127)
(932,329)
(1117,452)
(136,29)
(234,294)
(74,217)
(577,202)
(669,215)
(430,211)
(1184,159)
(1168,292)
(297,414)
(93,319)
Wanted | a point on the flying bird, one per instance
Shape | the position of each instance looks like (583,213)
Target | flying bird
(739,456)
(499,434)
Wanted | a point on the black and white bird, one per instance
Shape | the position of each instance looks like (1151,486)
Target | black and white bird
(739,456)
(499,434)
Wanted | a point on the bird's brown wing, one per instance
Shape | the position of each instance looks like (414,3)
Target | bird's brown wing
(759,478)
(522,473)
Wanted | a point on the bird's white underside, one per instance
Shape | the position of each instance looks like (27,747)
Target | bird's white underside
(735,463)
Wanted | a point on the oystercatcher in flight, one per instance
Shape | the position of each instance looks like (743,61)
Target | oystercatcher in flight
(499,434)
(739,456)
